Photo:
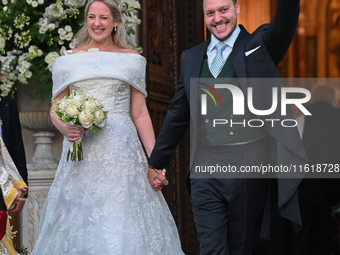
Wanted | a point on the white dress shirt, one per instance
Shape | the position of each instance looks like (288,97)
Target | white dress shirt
(212,50)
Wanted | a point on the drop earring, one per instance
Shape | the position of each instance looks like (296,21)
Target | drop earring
(115,28)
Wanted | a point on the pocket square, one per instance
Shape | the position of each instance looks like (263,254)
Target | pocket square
(251,51)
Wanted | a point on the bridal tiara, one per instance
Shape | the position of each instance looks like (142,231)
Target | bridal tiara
(117,1)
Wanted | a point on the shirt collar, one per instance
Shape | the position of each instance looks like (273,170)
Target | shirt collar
(229,41)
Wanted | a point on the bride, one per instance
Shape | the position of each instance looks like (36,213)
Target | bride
(104,204)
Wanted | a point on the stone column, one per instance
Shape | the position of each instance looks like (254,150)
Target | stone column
(40,182)
(40,122)
(38,132)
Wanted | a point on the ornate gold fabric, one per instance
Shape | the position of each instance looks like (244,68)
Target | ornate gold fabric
(6,244)
(9,176)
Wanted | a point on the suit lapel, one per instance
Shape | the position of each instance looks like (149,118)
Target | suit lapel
(195,70)
(238,58)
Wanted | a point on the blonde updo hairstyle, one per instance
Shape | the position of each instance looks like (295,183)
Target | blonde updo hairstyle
(83,38)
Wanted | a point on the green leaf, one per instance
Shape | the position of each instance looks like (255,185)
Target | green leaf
(68,155)
(68,119)
(94,130)
(59,114)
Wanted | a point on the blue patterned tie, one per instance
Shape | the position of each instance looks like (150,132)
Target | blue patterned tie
(218,61)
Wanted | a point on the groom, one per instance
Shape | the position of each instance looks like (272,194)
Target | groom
(228,211)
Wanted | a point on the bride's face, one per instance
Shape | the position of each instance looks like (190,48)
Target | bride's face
(100,22)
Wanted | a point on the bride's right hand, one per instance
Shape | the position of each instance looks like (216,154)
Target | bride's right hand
(157,178)
(73,132)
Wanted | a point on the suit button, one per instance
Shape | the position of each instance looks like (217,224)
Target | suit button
(231,116)
(207,121)
(231,133)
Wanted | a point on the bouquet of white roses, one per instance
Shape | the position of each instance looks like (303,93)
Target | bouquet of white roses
(83,110)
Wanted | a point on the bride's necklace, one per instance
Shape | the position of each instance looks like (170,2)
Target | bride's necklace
(106,48)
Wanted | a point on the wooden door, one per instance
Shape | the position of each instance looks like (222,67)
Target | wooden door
(168,28)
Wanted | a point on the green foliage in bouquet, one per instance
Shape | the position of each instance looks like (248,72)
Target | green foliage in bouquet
(33,33)
(22,250)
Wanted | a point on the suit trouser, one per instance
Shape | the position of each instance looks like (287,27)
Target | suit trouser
(228,211)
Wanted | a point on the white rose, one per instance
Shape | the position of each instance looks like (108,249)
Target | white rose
(99,117)
(69,37)
(13,1)
(28,74)
(136,5)
(77,100)
(40,1)
(2,42)
(60,42)
(62,31)
(85,119)
(62,106)
(68,28)
(5,2)
(26,64)
(54,11)
(50,26)
(29,1)
(63,48)
(99,104)
(43,22)
(5,8)
(72,45)
(50,67)
(21,69)
(49,59)
(34,4)
(75,3)
(72,110)
(90,105)
(40,53)
(42,29)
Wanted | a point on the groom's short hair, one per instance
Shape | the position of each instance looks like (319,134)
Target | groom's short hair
(234,1)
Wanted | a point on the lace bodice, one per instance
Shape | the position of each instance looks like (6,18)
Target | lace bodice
(113,94)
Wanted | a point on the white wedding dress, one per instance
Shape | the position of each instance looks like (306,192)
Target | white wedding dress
(104,204)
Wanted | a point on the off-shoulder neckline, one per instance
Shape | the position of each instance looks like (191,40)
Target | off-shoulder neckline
(103,52)
(70,52)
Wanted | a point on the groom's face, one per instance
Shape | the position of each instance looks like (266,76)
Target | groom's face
(221,17)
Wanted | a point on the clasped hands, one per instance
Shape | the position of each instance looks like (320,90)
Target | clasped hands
(19,200)
(157,178)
